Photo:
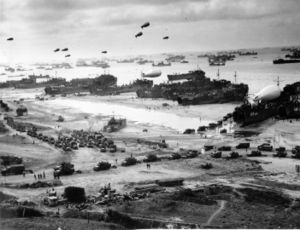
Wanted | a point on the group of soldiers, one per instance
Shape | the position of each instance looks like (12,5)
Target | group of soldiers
(39,176)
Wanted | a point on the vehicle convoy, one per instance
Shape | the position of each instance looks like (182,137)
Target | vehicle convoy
(286,61)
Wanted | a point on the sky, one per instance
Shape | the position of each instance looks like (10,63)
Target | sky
(87,27)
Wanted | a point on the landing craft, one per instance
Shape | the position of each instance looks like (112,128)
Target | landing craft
(56,50)
(139,34)
(268,93)
(146,24)
(68,55)
(65,49)
(151,74)
(166,37)
(104,52)
(10,39)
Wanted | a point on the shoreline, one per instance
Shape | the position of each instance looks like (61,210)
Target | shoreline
(234,172)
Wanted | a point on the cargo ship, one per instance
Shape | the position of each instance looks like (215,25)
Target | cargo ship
(143,61)
(247,53)
(295,54)
(31,82)
(216,61)
(285,61)
(191,75)
(175,58)
(105,84)
(160,64)
(196,89)
(270,102)
(97,63)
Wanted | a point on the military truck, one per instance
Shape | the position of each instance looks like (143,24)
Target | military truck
(64,168)
(16,169)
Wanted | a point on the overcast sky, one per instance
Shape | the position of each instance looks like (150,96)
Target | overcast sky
(88,26)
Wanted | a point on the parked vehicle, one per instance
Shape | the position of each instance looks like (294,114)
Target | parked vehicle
(224,148)
(265,147)
(175,156)
(64,169)
(234,155)
(216,154)
(16,169)
(243,145)
(102,165)
(280,152)
(255,153)
(208,147)
(296,152)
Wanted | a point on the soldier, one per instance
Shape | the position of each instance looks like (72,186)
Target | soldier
(34,176)
(44,175)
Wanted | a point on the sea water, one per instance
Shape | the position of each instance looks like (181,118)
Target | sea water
(257,71)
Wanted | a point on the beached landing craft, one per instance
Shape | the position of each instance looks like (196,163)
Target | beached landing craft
(286,61)
(196,89)
(270,102)
(151,74)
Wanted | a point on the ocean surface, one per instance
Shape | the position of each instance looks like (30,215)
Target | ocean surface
(256,71)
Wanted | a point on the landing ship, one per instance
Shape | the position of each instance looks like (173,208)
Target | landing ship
(270,102)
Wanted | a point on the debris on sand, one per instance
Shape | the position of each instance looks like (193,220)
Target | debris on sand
(60,119)
(170,182)
(42,184)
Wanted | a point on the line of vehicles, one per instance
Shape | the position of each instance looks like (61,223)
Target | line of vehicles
(280,152)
